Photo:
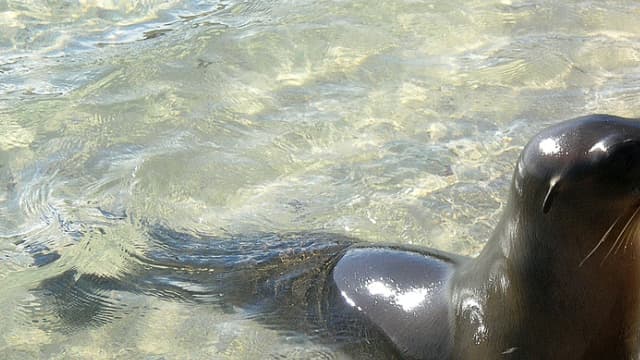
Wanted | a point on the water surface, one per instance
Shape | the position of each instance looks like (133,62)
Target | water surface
(395,121)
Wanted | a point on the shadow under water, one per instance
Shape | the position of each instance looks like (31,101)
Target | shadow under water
(282,281)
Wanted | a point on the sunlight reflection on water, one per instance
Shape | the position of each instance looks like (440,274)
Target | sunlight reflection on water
(395,121)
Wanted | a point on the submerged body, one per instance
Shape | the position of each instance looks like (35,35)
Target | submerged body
(557,280)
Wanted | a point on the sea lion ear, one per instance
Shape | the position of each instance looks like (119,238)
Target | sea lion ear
(554,189)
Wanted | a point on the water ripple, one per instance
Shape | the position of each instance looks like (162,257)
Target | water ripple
(394,121)
(70,302)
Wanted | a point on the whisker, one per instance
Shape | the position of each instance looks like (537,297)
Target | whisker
(625,239)
(624,229)
(602,239)
(632,234)
(627,234)
(615,244)
(624,242)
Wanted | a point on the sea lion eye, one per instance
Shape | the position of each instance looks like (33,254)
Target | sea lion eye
(624,158)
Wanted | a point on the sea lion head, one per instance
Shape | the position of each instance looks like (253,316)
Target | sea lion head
(576,253)
(578,182)
(559,278)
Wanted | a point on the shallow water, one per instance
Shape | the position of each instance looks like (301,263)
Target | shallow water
(394,121)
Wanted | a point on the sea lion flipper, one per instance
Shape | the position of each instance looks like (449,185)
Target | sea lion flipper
(404,294)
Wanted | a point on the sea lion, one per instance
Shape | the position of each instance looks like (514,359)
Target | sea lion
(558,279)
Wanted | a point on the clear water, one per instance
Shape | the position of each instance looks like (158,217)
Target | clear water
(395,121)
